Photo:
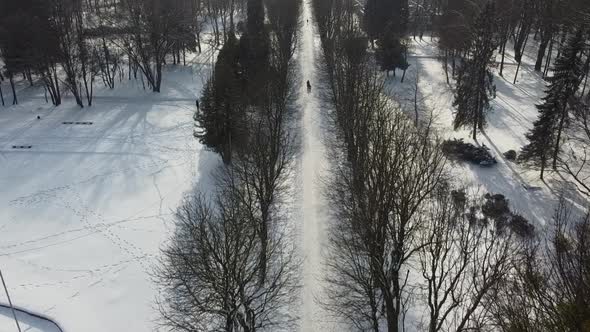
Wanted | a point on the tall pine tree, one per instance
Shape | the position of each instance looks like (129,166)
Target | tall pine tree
(541,137)
(387,21)
(475,81)
(391,53)
(222,114)
(255,51)
(545,137)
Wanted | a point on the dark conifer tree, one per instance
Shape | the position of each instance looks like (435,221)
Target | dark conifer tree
(373,20)
(221,117)
(475,81)
(544,138)
(541,137)
(387,21)
(255,45)
(391,53)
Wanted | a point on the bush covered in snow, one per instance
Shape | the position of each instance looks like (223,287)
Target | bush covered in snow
(458,149)
(496,208)
(510,155)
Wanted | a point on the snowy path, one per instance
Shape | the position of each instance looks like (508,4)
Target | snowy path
(313,163)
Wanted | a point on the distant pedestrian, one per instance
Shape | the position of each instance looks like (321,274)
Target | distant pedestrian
(308,86)
(197,103)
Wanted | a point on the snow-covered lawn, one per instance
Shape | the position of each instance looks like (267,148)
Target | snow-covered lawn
(84,212)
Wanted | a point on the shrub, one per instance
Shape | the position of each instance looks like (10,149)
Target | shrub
(457,149)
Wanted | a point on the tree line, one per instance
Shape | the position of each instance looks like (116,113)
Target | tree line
(68,45)
(406,236)
(231,265)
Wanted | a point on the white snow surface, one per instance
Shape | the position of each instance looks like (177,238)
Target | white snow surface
(84,212)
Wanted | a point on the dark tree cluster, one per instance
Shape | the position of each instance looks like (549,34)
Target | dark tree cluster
(68,45)
(474,79)
(460,150)
(386,21)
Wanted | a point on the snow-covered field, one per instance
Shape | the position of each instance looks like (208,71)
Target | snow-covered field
(84,212)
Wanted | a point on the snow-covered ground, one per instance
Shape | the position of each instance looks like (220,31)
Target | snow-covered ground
(84,212)
(510,119)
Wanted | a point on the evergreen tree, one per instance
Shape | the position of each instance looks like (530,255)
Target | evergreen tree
(389,14)
(222,114)
(544,138)
(541,137)
(391,53)
(387,21)
(475,81)
(255,51)
(373,20)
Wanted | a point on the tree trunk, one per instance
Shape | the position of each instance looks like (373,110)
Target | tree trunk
(447,65)
(516,74)
(520,42)
(542,48)
(391,302)
(559,131)
(543,165)
(158,79)
(29,76)
(14,98)
(549,56)
(586,71)
(503,56)
(263,247)
(519,59)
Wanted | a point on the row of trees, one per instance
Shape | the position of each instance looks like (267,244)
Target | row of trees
(70,44)
(231,264)
(563,113)
(547,21)
(402,238)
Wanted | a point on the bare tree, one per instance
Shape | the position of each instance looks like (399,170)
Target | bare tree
(470,247)
(378,191)
(209,271)
(550,288)
(149,27)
